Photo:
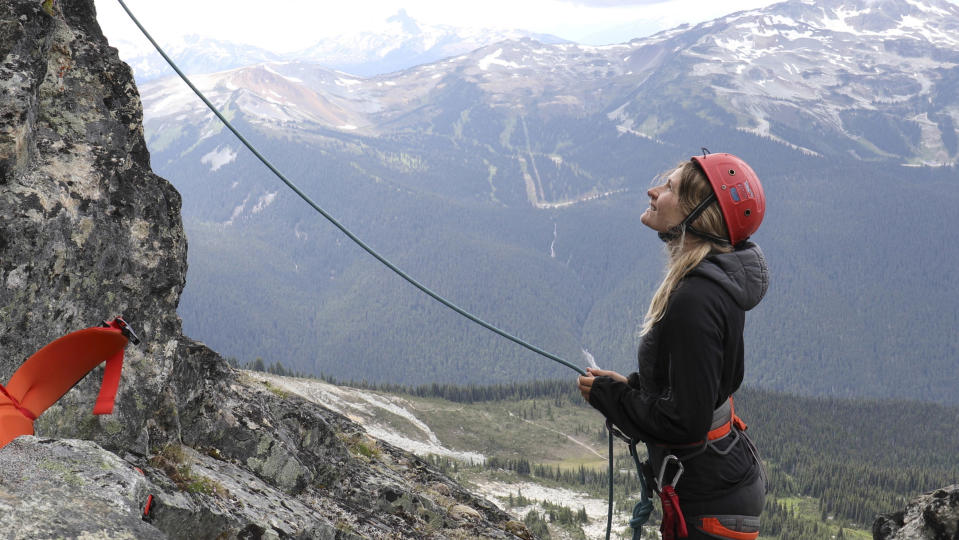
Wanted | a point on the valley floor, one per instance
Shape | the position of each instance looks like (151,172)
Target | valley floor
(542,459)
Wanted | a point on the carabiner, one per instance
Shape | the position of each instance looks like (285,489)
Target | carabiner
(124,328)
(662,472)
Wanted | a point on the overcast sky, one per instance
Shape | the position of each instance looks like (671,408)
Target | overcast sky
(295,24)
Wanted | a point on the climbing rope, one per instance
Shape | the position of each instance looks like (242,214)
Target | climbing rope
(337,224)
(370,250)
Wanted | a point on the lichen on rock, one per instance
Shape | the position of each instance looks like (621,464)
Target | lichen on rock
(931,516)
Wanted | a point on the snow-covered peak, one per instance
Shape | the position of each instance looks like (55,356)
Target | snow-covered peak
(271,94)
(873,71)
(403,43)
(868,18)
(405,22)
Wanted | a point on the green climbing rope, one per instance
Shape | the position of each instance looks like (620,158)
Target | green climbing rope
(367,248)
(333,220)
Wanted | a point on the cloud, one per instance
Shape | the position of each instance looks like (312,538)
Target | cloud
(614,3)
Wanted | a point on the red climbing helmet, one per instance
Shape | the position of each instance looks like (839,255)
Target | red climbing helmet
(738,190)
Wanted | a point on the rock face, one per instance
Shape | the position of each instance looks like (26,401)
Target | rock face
(89,232)
(49,475)
(932,516)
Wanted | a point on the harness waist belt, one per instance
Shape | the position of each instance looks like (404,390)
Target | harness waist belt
(724,418)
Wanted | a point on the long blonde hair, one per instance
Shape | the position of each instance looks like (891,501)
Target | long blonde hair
(684,256)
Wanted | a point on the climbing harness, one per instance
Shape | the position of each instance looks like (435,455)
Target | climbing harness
(56,368)
(725,422)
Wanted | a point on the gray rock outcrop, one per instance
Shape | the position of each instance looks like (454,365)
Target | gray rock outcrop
(89,232)
(932,516)
(42,478)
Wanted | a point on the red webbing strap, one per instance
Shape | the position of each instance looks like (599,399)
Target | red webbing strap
(111,379)
(110,384)
(146,509)
(674,524)
(16,404)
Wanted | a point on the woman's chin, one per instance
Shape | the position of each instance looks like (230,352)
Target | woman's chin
(648,221)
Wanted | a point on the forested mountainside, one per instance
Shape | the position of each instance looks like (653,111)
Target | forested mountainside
(858,302)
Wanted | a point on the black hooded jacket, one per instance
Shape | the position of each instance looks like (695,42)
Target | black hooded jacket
(690,362)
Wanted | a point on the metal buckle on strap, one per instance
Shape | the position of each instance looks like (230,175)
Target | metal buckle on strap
(124,327)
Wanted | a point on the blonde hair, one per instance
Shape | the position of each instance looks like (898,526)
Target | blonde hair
(682,256)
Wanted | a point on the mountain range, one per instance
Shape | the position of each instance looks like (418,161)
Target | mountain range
(872,80)
(511,178)
(399,43)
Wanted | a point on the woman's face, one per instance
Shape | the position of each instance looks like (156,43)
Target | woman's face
(664,212)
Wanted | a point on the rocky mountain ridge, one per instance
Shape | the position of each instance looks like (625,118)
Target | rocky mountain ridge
(399,43)
(510,177)
(874,80)
(90,232)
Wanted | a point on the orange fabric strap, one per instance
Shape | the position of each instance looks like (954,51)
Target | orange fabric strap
(111,377)
(724,418)
(712,526)
(16,404)
(53,370)
(111,383)
(723,430)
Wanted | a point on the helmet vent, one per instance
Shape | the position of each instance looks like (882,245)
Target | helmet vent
(732,172)
(747,212)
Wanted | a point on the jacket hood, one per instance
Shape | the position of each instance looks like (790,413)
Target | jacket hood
(742,273)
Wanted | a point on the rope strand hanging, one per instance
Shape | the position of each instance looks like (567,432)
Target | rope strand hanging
(331,219)
(375,254)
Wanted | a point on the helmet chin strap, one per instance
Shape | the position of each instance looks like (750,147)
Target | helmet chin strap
(675,232)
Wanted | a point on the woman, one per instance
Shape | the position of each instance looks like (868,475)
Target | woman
(691,350)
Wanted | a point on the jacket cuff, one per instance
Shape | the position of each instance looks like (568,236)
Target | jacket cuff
(600,397)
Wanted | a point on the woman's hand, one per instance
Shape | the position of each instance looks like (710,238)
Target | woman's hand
(585,382)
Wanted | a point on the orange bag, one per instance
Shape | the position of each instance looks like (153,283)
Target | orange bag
(53,370)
